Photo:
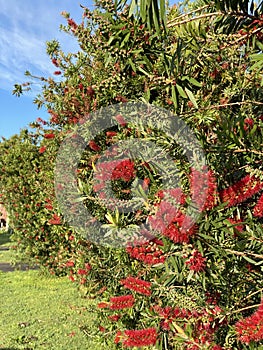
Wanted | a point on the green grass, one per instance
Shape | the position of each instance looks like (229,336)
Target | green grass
(43,312)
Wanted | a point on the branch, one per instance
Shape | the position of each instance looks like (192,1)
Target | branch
(244,254)
(243,309)
(241,38)
(206,15)
(174,22)
(246,150)
(225,105)
(236,103)
(189,13)
(254,293)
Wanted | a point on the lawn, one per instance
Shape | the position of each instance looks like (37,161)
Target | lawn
(43,312)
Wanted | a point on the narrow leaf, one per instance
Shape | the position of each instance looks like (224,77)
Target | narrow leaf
(191,97)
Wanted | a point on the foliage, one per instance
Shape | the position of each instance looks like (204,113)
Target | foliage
(179,288)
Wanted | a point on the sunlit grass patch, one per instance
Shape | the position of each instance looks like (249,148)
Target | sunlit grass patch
(39,312)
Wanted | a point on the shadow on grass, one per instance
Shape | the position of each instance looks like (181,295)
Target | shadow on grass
(5,238)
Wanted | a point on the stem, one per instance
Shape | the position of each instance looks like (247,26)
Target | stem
(241,38)
(189,13)
(225,105)
(244,254)
(245,150)
(254,293)
(243,309)
(206,15)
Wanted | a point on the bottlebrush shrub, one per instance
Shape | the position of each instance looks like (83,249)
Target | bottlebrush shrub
(174,287)
(26,178)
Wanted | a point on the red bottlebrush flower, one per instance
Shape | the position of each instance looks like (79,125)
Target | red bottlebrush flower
(124,170)
(55,62)
(103,305)
(94,146)
(41,121)
(196,261)
(118,337)
(54,119)
(57,72)
(72,278)
(163,217)
(168,314)
(172,223)
(236,221)
(120,98)
(114,318)
(184,234)
(70,263)
(90,91)
(49,136)
(138,285)
(82,272)
(121,120)
(56,220)
(248,123)
(214,73)
(73,120)
(111,133)
(102,329)
(72,24)
(122,302)
(112,170)
(146,183)
(241,190)
(42,149)
(251,328)
(139,338)
(203,189)
(212,298)
(87,266)
(149,253)
(258,209)
(173,193)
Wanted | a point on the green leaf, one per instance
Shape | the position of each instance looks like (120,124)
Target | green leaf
(250,260)
(131,63)
(181,91)
(125,39)
(191,97)
(190,275)
(174,97)
(195,82)
(111,39)
(144,71)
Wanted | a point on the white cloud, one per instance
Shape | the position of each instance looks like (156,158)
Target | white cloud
(25,27)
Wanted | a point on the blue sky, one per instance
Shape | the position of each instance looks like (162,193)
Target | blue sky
(25,26)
